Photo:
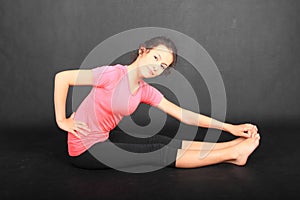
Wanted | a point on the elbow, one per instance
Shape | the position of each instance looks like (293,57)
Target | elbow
(61,76)
(60,79)
(58,75)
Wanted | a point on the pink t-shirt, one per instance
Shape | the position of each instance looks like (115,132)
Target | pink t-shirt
(108,102)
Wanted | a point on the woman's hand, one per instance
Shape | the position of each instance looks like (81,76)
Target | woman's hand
(72,126)
(243,130)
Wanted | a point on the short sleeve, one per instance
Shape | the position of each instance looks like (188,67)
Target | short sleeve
(151,95)
(102,75)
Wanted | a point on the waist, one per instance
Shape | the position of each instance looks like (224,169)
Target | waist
(77,146)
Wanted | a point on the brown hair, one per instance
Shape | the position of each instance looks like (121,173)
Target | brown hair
(161,40)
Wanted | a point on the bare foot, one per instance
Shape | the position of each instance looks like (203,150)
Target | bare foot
(244,149)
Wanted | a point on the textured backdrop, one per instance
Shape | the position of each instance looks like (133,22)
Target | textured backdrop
(255,45)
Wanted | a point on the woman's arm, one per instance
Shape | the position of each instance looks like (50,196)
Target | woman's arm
(63,80)
(196,119)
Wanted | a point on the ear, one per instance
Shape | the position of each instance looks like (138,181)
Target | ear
(143,50)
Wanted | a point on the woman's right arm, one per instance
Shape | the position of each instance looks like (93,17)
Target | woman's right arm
(63,80)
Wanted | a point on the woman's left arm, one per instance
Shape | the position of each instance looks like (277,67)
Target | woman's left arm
(196,119)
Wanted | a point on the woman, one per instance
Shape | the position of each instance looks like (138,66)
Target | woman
(117,91)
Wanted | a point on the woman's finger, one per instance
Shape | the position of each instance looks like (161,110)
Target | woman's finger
(82,128)
(82,125)
(73,115)
(250,126)
(253,130)
(246,129)
(82,131)
(253,126)
(246,135)
(75,134)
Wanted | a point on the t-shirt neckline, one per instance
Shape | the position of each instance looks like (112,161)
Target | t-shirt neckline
(128,83)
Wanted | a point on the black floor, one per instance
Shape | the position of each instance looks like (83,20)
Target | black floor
(34,166)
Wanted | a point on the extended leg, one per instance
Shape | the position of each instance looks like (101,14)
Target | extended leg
(197,145)
(237,154)
(178,143)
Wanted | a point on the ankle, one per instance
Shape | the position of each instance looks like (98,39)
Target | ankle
(234,153)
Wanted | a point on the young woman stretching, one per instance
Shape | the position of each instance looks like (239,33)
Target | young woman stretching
(117,91)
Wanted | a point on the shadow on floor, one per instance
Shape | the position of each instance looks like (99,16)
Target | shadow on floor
(34,165)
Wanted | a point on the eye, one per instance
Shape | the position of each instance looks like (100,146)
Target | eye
(163,66)
(156,58)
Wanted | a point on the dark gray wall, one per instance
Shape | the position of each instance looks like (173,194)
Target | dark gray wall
(255,45)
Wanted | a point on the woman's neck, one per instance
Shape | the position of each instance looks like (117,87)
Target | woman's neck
(134,77)
(134,73)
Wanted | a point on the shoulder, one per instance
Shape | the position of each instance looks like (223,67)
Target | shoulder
(109,70)
(150,94)
(107,73)
(144,84)
(145,87)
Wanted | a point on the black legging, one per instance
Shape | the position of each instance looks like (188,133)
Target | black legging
(166,156)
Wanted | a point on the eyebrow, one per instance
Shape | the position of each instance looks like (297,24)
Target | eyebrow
(160,59)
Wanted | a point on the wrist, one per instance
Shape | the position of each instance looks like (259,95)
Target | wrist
(227,127)
(60,120)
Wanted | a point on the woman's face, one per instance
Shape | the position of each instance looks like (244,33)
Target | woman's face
(154,61)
